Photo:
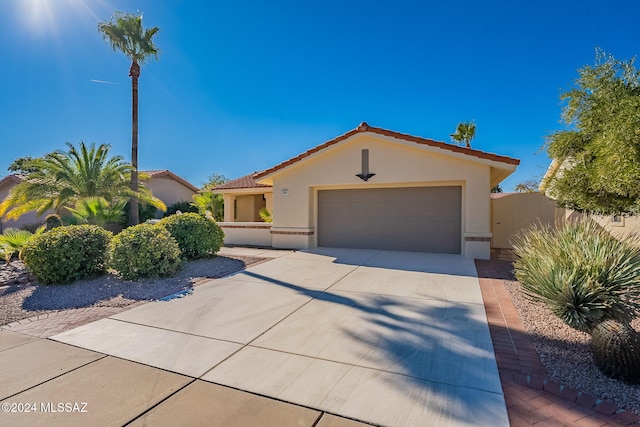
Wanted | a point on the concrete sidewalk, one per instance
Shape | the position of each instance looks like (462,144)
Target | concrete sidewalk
(382,337)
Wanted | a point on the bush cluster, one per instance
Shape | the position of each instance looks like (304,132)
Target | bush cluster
(66,254)
(197,236)
(145,250)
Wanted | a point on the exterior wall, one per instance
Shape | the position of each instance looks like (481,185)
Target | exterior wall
(169,190)
(624,227)
(395,164)
(247,233)
(511,212)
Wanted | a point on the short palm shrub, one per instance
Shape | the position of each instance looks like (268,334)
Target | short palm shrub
(145,250)
(197,235)
(590,280)
(183,206)
(66,254)
(13,241)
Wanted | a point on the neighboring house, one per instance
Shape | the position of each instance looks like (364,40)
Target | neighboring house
(374,188)
(164,184)
(616,224)
(169,187)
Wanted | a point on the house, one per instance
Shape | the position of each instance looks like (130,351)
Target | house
(617,225)
(164,184)
(371,188)
(169,187)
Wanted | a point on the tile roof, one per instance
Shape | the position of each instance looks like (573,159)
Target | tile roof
(364,127)
(13,177)
(169,174)
(247,181)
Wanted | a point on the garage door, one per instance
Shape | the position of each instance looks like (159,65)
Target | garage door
(425,219)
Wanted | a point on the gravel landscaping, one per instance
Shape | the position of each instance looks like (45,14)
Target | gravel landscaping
(21,297)
(566,355)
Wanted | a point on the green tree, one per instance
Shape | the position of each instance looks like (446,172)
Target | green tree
(496,189)
(214,180)
(125,33)
(600,150)
(62,179)
(465,132)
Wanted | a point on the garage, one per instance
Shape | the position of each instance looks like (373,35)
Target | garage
(422,219)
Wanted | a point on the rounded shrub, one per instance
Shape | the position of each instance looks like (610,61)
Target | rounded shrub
(145,250)
(66,254)
(197,236)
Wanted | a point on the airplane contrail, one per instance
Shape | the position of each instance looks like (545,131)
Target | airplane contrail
(102,81)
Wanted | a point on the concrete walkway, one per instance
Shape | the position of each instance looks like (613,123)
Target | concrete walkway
(387,338)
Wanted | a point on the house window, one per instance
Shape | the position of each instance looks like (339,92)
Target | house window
(617,220)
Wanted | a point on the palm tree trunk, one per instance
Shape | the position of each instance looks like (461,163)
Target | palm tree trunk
(134,72)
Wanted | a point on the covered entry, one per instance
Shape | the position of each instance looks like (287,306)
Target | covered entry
(424,219)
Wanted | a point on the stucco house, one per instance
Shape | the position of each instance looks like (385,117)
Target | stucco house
(371,188)
(164,184)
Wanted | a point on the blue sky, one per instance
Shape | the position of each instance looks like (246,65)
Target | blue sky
(241,86)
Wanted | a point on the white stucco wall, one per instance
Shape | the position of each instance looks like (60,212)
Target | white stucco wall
(396,164)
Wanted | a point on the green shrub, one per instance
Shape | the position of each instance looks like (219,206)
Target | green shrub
(183,206)
(145,250)
(66,254)
(197,236)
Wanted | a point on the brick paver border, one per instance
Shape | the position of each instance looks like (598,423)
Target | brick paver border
(532,397)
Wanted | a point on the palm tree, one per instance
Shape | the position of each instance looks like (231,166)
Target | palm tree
(62,179)
(465,132)
(125,33)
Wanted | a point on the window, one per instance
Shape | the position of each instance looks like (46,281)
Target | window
(617,221)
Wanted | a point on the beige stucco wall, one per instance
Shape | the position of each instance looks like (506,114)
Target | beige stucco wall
(623,228)
(248,206)
(396,164)
(246,233)
(514,211)
(169,190)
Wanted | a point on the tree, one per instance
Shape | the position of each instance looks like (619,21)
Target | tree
(465,132)
(496,189)
(528,186)
(600,152)
(125,33)
(62,179)
(214,180)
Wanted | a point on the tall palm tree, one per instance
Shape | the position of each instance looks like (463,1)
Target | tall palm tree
(62,179)
(125,33)
(465,132)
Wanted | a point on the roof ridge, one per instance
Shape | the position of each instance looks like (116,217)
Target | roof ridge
(365,127)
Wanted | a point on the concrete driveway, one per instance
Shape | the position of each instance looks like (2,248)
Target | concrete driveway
(389,338)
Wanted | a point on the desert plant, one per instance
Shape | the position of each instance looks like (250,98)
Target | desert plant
(586,277)
(66,254)
(13,241)
(145,250)
(197,236)
(209,202)
(265,215)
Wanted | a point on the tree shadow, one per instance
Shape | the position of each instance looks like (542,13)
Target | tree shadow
(437,352)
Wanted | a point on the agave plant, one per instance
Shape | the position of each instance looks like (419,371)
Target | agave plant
(588,279)
(12,241)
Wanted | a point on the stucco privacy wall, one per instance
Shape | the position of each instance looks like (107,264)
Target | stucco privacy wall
(512,212)
(396,163)
(30,218)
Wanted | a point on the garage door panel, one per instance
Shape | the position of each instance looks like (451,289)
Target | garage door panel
(414,219)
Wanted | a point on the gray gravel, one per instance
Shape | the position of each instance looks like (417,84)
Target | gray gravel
(21,298)
(566,355)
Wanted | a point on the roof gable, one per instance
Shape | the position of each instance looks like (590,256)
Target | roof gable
(168,174)
(365,128)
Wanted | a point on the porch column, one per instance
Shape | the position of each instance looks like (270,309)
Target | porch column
(229,200)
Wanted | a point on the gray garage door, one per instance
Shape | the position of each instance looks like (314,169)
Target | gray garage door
(425,219)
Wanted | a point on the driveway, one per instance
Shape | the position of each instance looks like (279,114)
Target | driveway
(389,338)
